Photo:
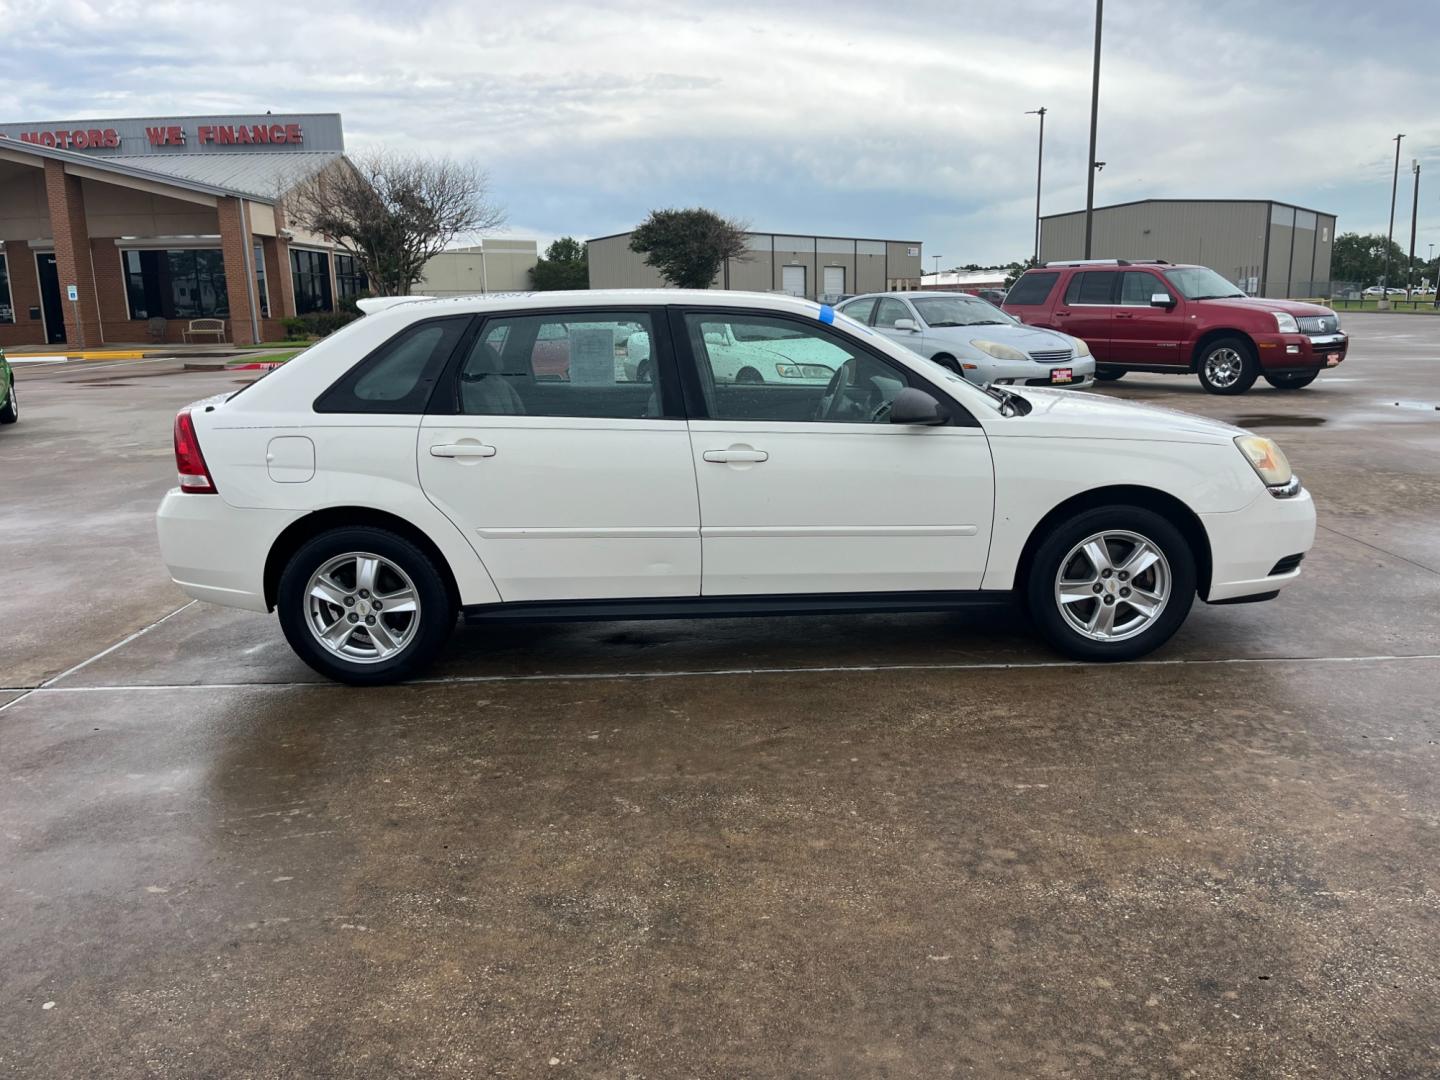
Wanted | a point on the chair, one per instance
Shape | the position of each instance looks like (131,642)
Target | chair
(157,327)
(205,328)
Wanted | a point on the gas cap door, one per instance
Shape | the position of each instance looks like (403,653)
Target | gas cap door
(290,459)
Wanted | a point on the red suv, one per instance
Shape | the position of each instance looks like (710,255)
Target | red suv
(1176,319)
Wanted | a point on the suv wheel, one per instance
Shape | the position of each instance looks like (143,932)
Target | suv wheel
(1227,366)
(364,606)
(1109,374)
(11,410)
(1111,583)
(1292,382)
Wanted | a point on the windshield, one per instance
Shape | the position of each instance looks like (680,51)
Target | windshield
(959,311)
(1201,283)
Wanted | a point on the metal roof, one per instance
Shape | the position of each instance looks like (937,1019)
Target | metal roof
(126,167)
(263,176)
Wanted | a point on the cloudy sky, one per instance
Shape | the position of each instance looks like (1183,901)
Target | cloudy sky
(850,117)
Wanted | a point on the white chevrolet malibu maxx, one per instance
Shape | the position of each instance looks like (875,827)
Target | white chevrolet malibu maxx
(421,463)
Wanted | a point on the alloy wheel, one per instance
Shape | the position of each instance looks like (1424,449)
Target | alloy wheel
(1224,366)
(362,608)
(1112,585)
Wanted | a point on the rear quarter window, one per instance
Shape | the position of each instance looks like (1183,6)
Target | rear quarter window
(398,376)
(1032,288)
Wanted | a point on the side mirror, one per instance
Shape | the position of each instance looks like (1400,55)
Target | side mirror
(912,406)
(1162,299)
(906,324)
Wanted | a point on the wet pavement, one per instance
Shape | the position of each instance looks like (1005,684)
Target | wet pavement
(870,846)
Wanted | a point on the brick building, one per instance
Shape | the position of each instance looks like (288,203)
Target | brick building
(125,230)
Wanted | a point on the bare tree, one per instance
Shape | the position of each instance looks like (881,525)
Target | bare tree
(393,212)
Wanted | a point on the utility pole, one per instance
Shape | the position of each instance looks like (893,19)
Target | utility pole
(1039,171)
(1094,117)
(1414,213)
(1383,304)
(937,259)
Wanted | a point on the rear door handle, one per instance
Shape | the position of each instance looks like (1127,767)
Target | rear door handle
(462,450)
(723,456)
(1124,315)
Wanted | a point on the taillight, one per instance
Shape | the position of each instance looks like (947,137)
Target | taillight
(189,461)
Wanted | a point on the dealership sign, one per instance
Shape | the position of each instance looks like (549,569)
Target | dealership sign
(185,134)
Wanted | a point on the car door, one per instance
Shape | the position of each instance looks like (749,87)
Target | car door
(890,309)
(1141,333)
(1087,309)
(807,488)
(569,473)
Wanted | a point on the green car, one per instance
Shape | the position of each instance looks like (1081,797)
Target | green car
(10,410)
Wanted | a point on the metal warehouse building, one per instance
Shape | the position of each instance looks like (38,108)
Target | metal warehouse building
(817,267)
(1268,248)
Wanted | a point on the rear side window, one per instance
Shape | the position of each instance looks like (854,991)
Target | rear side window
(1092,287)
(399,375)
(1032,288)
(859,310)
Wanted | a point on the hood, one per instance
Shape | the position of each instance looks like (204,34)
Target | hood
(1257,303)
(1076,415)
(1025,338)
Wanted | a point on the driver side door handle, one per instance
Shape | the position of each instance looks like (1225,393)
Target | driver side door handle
(724,456)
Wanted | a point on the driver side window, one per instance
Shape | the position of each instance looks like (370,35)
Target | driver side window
(759,367)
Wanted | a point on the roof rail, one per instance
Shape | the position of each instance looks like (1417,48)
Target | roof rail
(1109,262)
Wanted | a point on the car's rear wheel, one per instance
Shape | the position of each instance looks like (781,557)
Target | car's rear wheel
(364,606)
(1227,366)
(1111,583)
(1292,382)
(1109,374)
(10,412)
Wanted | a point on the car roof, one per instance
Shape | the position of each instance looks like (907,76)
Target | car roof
(429,307)
(910,294)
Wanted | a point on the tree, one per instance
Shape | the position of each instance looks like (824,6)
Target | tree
(566,265)
(1360,258)
(393,212)
(688,247)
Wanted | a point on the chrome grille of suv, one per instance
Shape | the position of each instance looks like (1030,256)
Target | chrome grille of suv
(1319,324)
(1051,356)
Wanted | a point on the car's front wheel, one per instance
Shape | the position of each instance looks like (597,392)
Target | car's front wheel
(1112,583)
(10,412)
(364,606)
(1292,382)
(1227,366)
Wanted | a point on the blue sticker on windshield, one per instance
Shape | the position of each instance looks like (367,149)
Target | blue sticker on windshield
(827,313)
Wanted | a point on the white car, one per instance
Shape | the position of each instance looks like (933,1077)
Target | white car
(408,468)
(974,338)
(1381,290)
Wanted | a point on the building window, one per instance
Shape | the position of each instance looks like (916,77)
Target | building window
(311,272)
(187,283)
(260,287)
(7,311)
(350,280)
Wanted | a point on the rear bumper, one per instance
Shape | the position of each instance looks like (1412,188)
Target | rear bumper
(215,551)
(1247,545)
(1293,353)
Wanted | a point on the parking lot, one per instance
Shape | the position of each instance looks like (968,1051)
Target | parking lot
(913,845)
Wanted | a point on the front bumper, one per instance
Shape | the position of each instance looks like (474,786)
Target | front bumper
(215,551)
(1247,546)
(1030,372)
(1282,354)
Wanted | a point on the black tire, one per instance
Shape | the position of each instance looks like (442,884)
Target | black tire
(1227,366)
(749,376)
(1041,585)
(436,607)
(1292,382)
(11,410)
(949,363)
(1109,374)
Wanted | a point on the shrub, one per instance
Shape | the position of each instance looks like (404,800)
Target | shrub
(317,324)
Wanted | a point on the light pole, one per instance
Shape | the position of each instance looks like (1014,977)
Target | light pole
(937,259)
(1383,304)
(1414,213)
(1094,118)
(1039,171)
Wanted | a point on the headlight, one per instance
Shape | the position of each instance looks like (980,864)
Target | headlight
(803,371)
(1268,461)
(1081,349)
(1285,322)
(999,351)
